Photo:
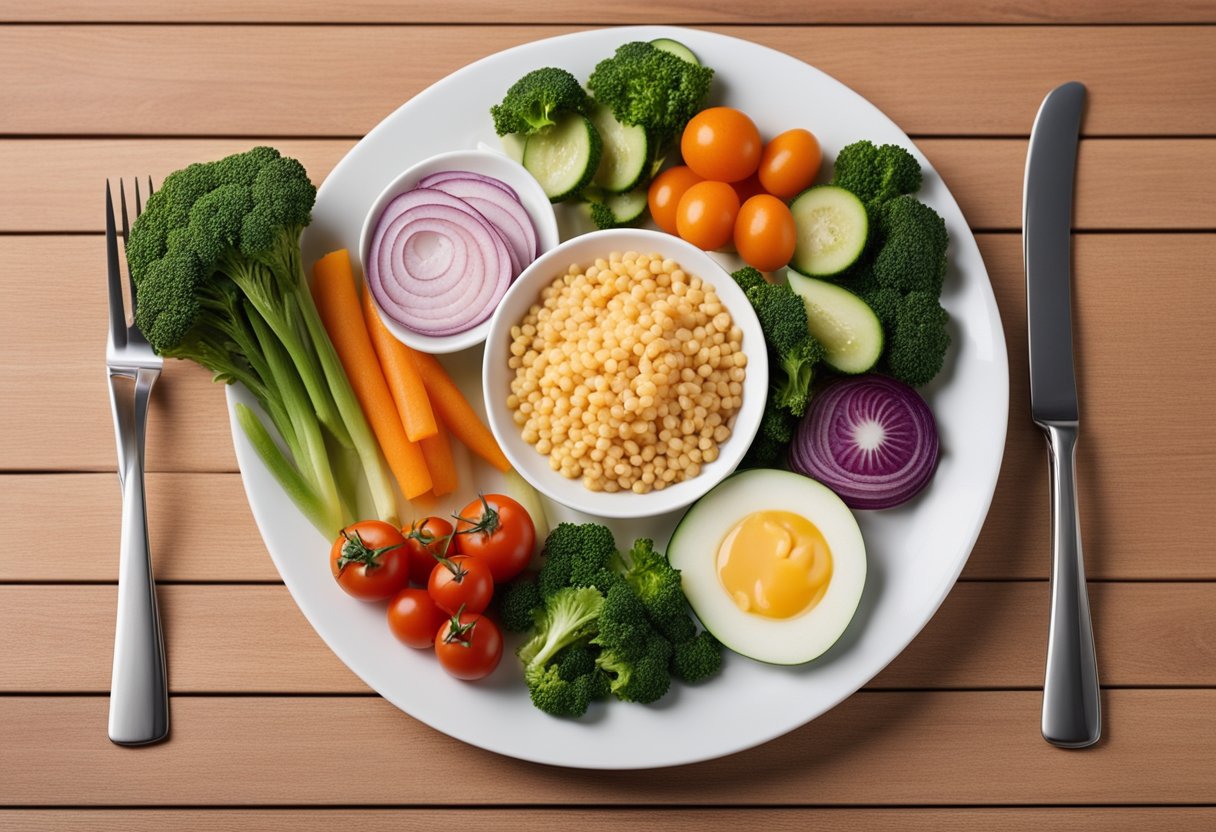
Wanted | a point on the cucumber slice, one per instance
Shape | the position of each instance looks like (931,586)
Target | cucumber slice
(676,48)
(832,228)
(844,323)
(615,210)
(625,153)
(564,156)
(513,146)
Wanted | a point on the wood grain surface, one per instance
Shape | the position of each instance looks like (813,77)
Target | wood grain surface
(269,727)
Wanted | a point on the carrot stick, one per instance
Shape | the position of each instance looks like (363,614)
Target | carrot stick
(437,450)
(454,409)
(338,303)
(402,376)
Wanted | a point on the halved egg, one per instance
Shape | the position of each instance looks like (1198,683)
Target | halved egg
(773,564)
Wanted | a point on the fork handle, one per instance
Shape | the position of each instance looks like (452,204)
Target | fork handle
(1072,707)
(139,692)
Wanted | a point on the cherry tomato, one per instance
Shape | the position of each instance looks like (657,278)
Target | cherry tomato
(722,144)
(425,540)
(414,617)
(706,216)
(369,561)
(789,163)
(461,582)
(764,233)
(468,646)
(497,531)
(748,188)
(665,192)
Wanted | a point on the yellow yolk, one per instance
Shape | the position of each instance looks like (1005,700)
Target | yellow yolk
(775,563)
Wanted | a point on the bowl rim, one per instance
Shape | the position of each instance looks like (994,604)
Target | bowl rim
(547,235)
(571,493)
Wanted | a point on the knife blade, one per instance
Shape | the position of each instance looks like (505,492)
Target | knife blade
(1046,230)
(1072,710)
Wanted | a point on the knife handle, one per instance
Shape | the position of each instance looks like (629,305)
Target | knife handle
(1072,708)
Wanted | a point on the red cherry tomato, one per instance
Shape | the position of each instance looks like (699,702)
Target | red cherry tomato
(469,646)
(706,216)
(413,617)
(664,196)
(722,144)
(497,531)
(368,560)
(461,582)
(789,163)
(425,540)
(765,235)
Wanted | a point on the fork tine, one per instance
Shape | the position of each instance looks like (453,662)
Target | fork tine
(122,201)
(139,206)
(133,333)
(118,318)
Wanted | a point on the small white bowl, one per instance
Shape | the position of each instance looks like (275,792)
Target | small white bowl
(497,376)
(474,161)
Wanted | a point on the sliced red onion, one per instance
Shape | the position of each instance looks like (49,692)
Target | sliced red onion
(431,180)
(504,211)
(871,439)
(437,266)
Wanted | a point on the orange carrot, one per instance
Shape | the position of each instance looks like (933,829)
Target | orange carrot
(438,452)
(338,302)
(454,409)
(402,376)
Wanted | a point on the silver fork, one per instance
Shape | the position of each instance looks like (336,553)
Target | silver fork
(139,693)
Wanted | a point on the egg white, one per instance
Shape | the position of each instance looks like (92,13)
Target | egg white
(694,551)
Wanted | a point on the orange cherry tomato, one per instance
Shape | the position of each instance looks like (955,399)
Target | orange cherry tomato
(748,188)
(789,163)
(706,215)
(665,192)
(721,143)
(764,233)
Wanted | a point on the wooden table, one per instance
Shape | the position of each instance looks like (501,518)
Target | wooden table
(269,728)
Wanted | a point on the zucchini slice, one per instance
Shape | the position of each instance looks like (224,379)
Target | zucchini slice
(615,210)
(564,156)
(844,323)
(832,228)
(676,48)
(625,153)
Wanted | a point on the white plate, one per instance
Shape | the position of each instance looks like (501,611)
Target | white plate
(915,552)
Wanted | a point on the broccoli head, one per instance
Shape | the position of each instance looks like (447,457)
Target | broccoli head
(623,624)
(697,658)
(912,257)
(656,90)
(748,277)
(641,675)
(653,579)
(795,351)
(533,101)
(517,602)
(578,555)
(876,173)
(917,339)
(557,695)
(567,617)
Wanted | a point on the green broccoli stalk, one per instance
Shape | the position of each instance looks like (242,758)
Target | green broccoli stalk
(876,173)
(653,89)
(533,102)
(794,350)
(215,258)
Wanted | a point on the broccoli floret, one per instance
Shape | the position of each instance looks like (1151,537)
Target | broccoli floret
(917,339)
(641,675)
(794,350)
(913,253)
(876,173)
(215,258)
(648,87)
(559,696)
(577,555)
(748,277)
(533,101)
(517,602)
(575,661)
(567,617)
(623,624)
(657,585)
(697,658)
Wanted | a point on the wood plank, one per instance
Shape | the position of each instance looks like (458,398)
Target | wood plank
(570,11)
(906,749)
(986,636)
(614,819)
(310,81)
(1141,184)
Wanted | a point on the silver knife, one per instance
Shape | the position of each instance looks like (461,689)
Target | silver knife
(1072,711)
